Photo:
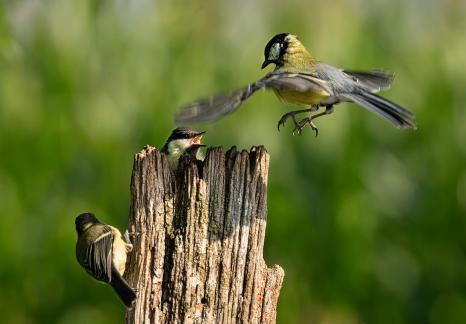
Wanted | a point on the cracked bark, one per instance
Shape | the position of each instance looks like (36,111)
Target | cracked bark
(199,255)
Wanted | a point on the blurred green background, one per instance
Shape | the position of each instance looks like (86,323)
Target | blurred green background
(368,221)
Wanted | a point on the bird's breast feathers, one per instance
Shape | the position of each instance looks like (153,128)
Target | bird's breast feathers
(298,60)
(310,97)
(119,252)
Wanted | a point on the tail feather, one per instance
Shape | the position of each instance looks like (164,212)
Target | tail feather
(385,108)
(375,80)
(121,287)
(390,105)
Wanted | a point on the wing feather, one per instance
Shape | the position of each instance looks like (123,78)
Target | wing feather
(215,107)
(99,256)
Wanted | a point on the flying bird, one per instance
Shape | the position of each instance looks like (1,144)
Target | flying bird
(300,79)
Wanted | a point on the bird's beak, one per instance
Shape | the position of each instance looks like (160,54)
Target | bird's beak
(266,62)
(197,139)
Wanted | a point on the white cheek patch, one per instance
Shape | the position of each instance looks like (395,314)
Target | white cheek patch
(177,147)
(275,52)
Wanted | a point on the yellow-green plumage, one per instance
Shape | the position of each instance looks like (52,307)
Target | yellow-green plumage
(102,252)
(308,98)
(297,59)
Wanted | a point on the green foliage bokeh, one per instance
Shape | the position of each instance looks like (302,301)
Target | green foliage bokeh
(369,222)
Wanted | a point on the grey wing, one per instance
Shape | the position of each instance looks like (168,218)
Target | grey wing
(99,256)
(300,82)
(374,81)
(215,107)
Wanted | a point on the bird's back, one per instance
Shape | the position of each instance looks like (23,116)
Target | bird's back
(339,81)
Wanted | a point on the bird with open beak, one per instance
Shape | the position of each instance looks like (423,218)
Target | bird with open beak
(181,141)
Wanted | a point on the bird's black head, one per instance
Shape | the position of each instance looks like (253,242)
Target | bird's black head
(183,133)
(85,220)
(180,139)
(275,49)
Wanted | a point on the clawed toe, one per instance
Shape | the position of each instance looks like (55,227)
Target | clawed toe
(284,118)
(133,234)
(298,128)
(127,235)
(292,114)
(308,120)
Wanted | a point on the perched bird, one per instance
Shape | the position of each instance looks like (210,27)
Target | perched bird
(183,140)
(300,79)
(101,251)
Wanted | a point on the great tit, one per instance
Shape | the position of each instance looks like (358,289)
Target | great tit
(183,140)
(300,79)
(101,251)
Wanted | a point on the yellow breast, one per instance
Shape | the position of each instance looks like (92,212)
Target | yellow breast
(295,60)
(120,248)
(307,98)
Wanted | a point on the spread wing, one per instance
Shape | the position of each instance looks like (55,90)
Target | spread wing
(99,255)
(215,107)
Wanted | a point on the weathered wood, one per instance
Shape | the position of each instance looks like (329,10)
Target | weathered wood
(199,255)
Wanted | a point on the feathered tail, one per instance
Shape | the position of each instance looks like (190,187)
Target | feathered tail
(389,110)
(121,287)
(374,80)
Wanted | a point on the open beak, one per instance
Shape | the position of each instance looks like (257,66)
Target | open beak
(266,62)
(197,139)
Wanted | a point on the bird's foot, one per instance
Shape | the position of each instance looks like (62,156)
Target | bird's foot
(292,114)
(308,120)
(285,117)
(128,236)
(298,128)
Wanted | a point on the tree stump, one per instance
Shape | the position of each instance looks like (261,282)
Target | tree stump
(198,257)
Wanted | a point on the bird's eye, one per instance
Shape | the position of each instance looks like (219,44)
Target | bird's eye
(274,53)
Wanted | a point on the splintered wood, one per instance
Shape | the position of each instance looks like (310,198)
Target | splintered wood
(198,249)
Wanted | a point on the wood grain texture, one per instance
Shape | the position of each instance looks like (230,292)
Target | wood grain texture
(199,255)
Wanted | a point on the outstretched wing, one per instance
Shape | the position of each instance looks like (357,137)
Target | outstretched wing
(374,81)
(99,255)
(215,107)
